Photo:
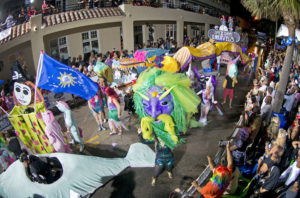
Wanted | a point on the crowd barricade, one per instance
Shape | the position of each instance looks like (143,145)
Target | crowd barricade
(204,176)
(4,123)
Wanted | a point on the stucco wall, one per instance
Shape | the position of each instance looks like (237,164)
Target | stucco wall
(10,55)
(75,44)
(109,29)
(109,38)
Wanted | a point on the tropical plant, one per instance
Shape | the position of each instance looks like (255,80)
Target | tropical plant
(289,10)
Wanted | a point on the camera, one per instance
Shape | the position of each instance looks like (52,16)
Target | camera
(222,143)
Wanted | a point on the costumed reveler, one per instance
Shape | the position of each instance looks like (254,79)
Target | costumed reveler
(96,106)
(53,132)
(114,112)
(70,123)
(207,101)
(165,104)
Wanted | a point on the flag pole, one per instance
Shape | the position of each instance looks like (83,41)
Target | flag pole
(37,77)
(5,112)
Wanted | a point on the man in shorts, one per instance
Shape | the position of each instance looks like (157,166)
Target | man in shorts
(228,85)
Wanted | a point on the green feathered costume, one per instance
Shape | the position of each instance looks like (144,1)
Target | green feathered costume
(184,99)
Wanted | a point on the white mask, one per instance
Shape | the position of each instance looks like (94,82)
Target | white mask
(22,93)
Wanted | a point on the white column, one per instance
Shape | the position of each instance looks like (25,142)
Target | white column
(206,30)
(37,41)
(179,31)
(189,31)
(145,31)
(128,34)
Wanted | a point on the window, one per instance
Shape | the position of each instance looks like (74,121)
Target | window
(90,41)
(171,31)
(59,48)
(63,47)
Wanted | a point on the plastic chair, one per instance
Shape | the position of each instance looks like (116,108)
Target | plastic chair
(242,190)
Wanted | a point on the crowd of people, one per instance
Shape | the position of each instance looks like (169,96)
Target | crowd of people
(266,148)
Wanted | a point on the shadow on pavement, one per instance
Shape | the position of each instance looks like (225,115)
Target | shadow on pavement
(105,151)
(123,185)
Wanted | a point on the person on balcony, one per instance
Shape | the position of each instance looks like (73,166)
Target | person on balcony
(46,8)
(31,12)
(9,21)
(22,17)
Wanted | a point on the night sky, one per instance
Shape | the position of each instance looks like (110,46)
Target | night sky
(237,9)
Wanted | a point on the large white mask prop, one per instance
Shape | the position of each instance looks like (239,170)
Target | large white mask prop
(22,93)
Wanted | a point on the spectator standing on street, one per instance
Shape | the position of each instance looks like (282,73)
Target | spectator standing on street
(228,85)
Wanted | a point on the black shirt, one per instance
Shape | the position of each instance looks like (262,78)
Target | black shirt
(14,146)
(229,82)
(271,180)
(39,169)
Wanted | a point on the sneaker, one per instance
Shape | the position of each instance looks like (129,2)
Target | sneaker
(103,128)
(170,175)
(100,128)
(153,181)
(81,148)
(72,142)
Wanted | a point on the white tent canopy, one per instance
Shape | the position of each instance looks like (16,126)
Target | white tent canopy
(283,31)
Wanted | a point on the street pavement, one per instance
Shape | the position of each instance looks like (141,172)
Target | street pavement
(190,157)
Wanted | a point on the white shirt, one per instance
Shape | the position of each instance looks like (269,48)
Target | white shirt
(289,102)
(263,88)
(292,172)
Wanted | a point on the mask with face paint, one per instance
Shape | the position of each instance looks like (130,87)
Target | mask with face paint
(157,104)
(22,93)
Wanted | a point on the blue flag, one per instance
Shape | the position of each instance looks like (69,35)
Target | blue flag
(60,78)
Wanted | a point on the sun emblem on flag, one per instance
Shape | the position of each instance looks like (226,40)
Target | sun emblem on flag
(66,80)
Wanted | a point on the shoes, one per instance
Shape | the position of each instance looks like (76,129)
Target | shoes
(112,133)
(104,120)
(72,142)
(120,133)
(153,181)
(170,175)
(81,148)
(101,128)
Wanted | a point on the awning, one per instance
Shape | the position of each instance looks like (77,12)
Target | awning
(283,31)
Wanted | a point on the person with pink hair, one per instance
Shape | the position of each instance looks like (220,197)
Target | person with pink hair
(114,112)
(53,132)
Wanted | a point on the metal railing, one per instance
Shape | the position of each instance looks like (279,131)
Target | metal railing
(206,173)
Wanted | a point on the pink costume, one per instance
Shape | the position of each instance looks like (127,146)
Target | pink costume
(53,132)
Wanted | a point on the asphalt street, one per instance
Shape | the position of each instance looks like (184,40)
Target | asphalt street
(190,157)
